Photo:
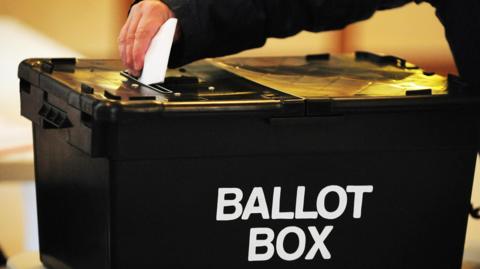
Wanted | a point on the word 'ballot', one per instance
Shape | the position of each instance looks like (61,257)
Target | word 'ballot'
(231,208)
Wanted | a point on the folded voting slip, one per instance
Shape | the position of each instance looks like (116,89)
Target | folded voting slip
(156,58)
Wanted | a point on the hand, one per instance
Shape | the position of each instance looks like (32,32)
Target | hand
(142,24)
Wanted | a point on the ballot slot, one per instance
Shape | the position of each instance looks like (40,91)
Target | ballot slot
(173,89)
(157,88)
(183,85)
(190,86)
(207,82)
(217,91)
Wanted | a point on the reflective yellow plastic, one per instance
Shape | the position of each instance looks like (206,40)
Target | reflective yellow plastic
(341,76)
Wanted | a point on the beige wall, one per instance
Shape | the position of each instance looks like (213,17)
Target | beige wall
(11,218)
(91,27)
(87,26)
(302,44)
(472,246)
(412,32)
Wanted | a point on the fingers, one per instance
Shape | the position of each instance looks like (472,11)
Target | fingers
(146,30)
(136,35)
(130,39)
(127,37)
(121,40)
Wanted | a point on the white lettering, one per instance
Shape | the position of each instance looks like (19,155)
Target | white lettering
(257,195)
(301,243)
(256,243)
(319,243)
(257,203)
(358,198)
(342,202)
(222,203)
(299,205)
(276,214)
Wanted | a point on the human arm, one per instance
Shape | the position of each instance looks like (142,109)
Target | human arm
(462,28)
(212,28)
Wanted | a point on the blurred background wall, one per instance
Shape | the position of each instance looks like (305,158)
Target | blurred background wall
(90,28)
(412,32)
(87,26)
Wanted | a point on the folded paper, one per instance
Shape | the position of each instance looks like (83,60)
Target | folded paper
(158,54)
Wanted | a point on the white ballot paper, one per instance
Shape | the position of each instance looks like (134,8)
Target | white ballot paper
(156,58)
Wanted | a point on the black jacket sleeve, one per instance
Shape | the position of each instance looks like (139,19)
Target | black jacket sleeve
(461,19)
(212,28)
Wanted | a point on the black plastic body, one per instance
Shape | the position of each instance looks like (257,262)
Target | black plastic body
(137,209)
(144,193)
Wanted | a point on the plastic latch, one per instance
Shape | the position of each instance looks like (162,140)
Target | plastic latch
(63,61)
(384,60)
(428,73)
(418,92)
(87,89)
(46,67)
(111,96)
(318,57)
(58,64)
(474,212)
(53,117)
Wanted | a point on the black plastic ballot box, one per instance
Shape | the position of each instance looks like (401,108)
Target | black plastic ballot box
(324,161)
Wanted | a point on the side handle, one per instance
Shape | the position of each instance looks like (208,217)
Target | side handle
(53,117)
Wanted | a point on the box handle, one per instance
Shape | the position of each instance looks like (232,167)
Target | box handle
(53,117)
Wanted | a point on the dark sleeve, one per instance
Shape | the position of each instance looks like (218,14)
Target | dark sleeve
(212,28)
(461,19)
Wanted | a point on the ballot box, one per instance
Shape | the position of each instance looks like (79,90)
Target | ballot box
(324,161)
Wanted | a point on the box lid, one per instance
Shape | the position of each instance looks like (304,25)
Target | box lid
(272,86)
